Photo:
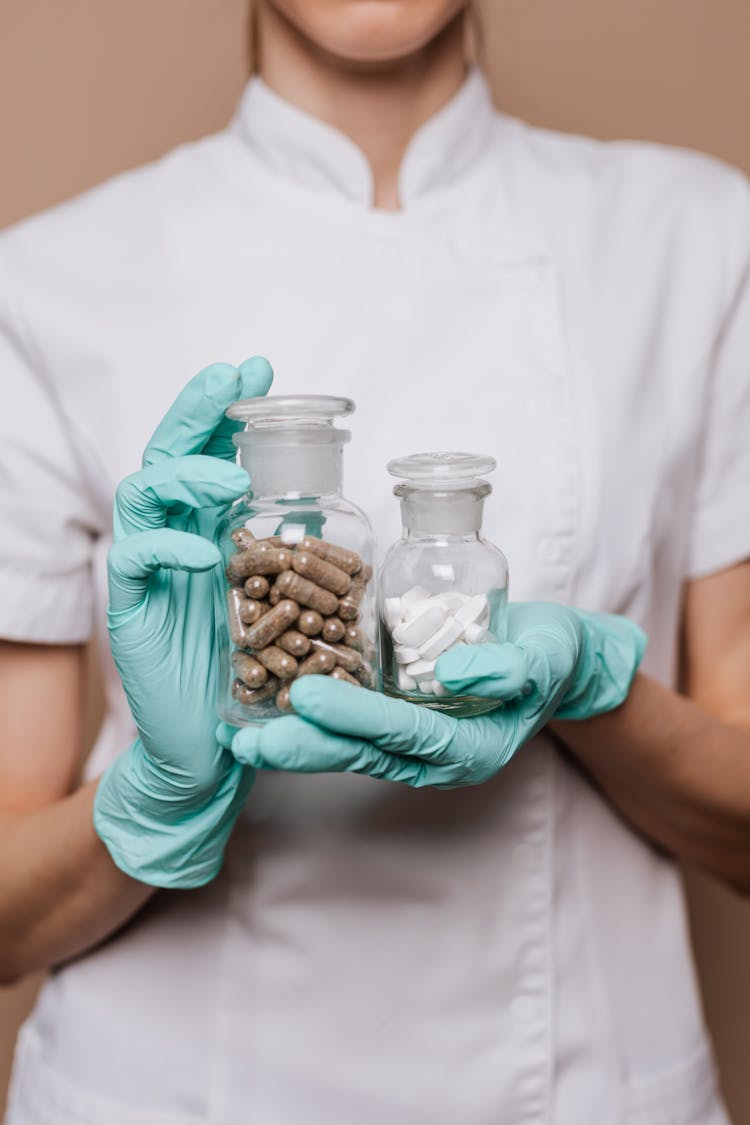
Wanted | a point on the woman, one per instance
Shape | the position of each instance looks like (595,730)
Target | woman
(513,951)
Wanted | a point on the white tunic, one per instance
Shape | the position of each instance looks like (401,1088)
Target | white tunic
(511,954)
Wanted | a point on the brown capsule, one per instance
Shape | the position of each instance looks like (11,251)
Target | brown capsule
(357,589)
(237,630)
(293,585)
(344,656)
(283,702)
(319,664)
(249,670)
(295,642)
(242,537)
(349,605)
(334,630)
(273,624)
(274,596)
(348,561)
(257,559)
(271,541)
(354,637)
(252,611)
(256,586)
(340,673)
(310,623)
(277,661)
(322,573)
(365,574)
(348,610)
(249,696)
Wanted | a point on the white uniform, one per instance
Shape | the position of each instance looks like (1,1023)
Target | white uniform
(510,954)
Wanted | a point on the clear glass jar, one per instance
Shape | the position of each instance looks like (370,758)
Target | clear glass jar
(298,595)
(442,584)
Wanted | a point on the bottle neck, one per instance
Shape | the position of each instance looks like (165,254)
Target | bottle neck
(293,465)
(443,514)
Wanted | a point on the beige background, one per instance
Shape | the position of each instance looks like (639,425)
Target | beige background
(88,87)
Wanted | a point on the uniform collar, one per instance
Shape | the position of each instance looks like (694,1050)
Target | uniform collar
(320,159)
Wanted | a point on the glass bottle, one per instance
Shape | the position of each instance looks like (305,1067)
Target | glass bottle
(298,595)
(442,584)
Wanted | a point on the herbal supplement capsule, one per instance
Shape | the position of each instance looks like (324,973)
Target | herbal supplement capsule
(354,637)
(257,587)
(274,595)
(237,630)
(334,630)
(310,623)
(320,663)
(249,697)
(249,670)
(293,585)
(282,701)
(348,561)
(348,610)
(258,559)
(340,673)
(295,642)
(349,604)
(357,590)
(346,657)
(277,661)
(320,572)
(251,611)
(271,541)
(242,537)
(273,624)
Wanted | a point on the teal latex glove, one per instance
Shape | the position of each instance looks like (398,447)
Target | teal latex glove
(557,661)
(165,807)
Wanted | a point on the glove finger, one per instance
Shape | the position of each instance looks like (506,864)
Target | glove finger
(196,419)
(488,671)
(132,561)
(225,732)
(392,724)
(294,745)
(255,380)
(144,498)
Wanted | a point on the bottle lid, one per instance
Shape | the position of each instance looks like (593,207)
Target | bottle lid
(444,470)
(290,409)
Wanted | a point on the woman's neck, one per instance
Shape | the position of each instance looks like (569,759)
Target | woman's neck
(378,107)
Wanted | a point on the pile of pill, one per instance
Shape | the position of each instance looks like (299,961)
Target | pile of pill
(293,611)
(422,626)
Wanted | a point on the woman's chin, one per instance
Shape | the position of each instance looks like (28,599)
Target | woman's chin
(369,34)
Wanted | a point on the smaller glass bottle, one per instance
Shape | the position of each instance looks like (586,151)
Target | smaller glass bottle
(298,596)
(442,584)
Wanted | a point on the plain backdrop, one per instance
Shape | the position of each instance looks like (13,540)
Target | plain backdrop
(90,87)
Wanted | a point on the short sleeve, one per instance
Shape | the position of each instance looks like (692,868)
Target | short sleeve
(720,527)
(46,524)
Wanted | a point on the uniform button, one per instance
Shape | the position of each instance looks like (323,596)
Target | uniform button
(549,550)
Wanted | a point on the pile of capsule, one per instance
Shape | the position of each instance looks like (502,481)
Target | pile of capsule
(424,626)
(293,611)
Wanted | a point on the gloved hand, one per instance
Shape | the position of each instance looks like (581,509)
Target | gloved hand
(557,661)
(166,806)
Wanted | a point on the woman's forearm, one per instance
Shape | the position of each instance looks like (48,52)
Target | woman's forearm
(60,892)
(678,774)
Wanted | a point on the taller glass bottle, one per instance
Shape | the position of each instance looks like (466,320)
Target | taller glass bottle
(298,593)
(442,584)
